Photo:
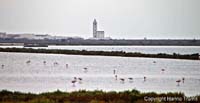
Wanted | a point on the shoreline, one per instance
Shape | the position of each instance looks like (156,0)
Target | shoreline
(96,96)
(103,53)
(82,41)
(22,44)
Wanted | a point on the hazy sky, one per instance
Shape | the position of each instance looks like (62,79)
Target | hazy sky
(118,18)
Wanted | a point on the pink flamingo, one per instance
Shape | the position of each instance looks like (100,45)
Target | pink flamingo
(145,78)
(75,78)
(114,71)
(28,62)
(122,80)
(44,62)
(115,77)
(2,66)
(178,81)
(163,70)
(80,80)
(130,79)
(66,65)
(183,79)
(73,82)
(55,63)
(85,69)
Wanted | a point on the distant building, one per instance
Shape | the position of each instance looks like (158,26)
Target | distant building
(94,28)
(41,36)
(12,36)
(2,34)
(100,34)
(25,36)
(97,34)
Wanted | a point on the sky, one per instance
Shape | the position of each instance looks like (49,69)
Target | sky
(120,19)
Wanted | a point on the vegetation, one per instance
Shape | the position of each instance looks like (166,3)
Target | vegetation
(83,96)
(103,53)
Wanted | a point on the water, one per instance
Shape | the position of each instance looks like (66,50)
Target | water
(142,49)
(37,77)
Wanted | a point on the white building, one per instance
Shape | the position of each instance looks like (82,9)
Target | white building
(2,35)
(33,36)
(25,36)
(41,37)
(97,34)
(100,34)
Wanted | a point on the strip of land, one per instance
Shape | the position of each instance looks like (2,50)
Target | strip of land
(103,53)
(81,41)
(83,96)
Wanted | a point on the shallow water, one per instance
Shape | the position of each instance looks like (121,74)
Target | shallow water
(38,77)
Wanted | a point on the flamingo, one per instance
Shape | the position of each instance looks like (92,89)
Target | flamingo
(178,81)
(130,79)
(75,78)
(122,80)
(73,82)
(28,61)
(162,70)
(115,77)
(183,79)
(2,66)
(44,62)
(85,69)
(66,65)
(55,63)
(114,71)
(145,78)
(80,80)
